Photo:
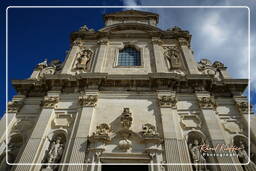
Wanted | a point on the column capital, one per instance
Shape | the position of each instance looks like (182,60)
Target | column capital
(50,102)
(88,100)
(242,104)
(167,101)
(206,102)
(16,104)
(157,40)
(103,41)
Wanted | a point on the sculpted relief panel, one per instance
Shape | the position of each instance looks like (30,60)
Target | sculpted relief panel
(83,60)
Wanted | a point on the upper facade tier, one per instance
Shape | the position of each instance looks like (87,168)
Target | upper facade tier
(131,16)
(131,48)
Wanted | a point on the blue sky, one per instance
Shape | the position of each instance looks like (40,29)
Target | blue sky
(36,34)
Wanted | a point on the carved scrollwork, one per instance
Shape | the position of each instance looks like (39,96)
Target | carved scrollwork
(167,101)
(207,68)
(50,101)
(14,106)
(149,130)
(126,118)
(206,102)
(88,100)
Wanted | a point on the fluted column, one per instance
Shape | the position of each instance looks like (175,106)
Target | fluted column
(79,139)
(172,141)
(101,55)
(32,148)
(207,106)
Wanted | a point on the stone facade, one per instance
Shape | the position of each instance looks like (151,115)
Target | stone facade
(89,110)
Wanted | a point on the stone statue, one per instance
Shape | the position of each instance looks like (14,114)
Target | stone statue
(173,60)
(83,58)
(197,156)
(102,129)
(244,158)
(126,118)
(43,64)
(55,152)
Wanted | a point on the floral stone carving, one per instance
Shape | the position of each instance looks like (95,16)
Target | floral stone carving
(126,118)
(101,134)
(88,100)
(149,130)
(167,101)
(242,107)
(206,102)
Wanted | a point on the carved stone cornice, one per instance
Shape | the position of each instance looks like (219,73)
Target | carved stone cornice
(88,100)
(206,102)
(167,101)
(14,106)
(50,102)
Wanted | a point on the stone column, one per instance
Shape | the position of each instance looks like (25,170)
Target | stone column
(32,148)
(101,55)
(159,57)
(207,106)
(189,58)
(71,57)
(172,139)
(82,128)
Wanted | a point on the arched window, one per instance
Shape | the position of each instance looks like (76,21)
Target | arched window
(129,56)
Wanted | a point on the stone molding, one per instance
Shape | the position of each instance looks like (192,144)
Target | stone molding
(50,102)
(167,101)
(88,100)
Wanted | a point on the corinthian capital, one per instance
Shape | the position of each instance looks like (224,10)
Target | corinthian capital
(206,102)
(167,101)
(243,106)
(50,101)
(88,100)
(14,106)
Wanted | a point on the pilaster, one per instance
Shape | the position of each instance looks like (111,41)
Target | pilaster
(207,106)
(99,63)
(159,58)
(71,57)
(79,140)
(32,148)
(172,136)
(189,58)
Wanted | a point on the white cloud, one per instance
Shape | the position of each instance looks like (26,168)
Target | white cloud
(131,4)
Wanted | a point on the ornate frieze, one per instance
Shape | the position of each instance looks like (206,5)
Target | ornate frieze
(14,106)
(88,100)
(126,118)
(50,101)
(206,102)
(167,101)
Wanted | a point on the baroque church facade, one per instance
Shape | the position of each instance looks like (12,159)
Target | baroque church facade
(129,93)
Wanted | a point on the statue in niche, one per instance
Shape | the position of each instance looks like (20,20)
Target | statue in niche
(126,118)
(244,158)
(55,152)
(197,155)
(172,56)
(83,58)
